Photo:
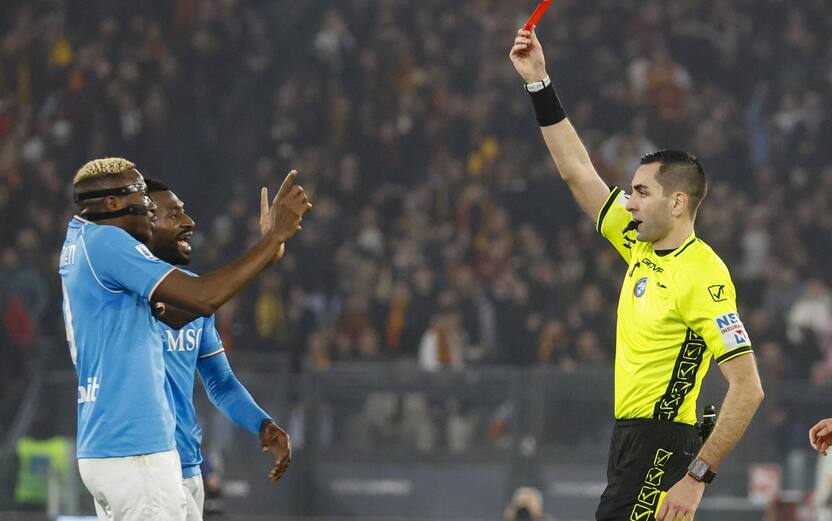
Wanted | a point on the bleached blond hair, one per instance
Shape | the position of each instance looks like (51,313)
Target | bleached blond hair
(529,497)
(527,492)
(101,168)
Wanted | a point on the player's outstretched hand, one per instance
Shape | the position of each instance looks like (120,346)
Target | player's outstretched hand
(527,56)
(275,439)
(820,436)
(266,220)
(288,208)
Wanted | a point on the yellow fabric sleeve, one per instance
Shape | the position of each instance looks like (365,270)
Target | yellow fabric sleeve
(612,219)
(707,304)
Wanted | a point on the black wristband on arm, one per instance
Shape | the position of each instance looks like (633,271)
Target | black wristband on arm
(547,107)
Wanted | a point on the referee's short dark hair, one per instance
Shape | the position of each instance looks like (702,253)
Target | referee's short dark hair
(680,172)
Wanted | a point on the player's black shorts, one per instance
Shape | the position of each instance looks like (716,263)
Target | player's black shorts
(646,457)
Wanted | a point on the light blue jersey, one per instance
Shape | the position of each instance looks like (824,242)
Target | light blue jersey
(198,347)
(107,279)
(198,339)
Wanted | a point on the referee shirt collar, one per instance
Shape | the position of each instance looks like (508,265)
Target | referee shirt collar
(678,251)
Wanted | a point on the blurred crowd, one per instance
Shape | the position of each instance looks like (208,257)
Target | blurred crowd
(441,233)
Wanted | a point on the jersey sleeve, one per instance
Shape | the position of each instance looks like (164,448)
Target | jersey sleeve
(211,344)
(119,262)
(229,395)
(708,305)
(613,219)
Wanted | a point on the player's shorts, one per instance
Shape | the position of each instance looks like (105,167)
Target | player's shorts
(195,496)
(136,488)
(647,457)
(822,496)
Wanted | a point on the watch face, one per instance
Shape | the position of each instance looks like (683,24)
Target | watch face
(698,468)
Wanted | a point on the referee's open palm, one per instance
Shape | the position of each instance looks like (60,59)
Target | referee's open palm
(820,436)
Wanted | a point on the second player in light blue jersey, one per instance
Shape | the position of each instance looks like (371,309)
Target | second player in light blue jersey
(197,347)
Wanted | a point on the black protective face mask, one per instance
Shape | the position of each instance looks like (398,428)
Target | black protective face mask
(130,209)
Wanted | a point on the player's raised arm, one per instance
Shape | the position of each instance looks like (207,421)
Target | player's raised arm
(177,318)
(568,153)
(204,295)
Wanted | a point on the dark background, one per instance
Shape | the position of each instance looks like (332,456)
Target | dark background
(437,212)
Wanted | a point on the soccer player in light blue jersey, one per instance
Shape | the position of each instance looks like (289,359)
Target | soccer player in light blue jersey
(126,427)
(197,347)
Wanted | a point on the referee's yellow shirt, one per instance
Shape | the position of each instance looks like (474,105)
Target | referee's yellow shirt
(676,312)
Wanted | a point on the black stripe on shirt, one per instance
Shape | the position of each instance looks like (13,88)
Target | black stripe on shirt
(731,354)
(683,379)
(610,200)
(685,247)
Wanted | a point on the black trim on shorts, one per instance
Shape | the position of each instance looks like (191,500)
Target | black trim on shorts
(683,379)
(606,208)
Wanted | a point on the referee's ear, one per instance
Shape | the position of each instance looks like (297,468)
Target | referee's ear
(680,204)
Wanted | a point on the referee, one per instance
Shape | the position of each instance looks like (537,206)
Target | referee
(677,311)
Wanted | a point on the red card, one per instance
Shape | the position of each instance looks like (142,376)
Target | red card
(537,14)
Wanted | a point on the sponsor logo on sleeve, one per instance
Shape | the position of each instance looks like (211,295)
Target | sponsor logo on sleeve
(732,330)
(717,292)
(141,248)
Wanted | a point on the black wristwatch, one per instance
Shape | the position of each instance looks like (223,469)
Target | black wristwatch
(701,471)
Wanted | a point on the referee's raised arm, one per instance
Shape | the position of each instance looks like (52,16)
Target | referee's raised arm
(567,150)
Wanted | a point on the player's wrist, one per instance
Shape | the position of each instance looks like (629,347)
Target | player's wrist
(274,240)
(547,107)
(536,82)
(693,481)
(265,424)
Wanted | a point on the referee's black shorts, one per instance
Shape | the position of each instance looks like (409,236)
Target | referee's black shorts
(646,457)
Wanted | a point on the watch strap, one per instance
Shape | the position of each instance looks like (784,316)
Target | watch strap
(537,86)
